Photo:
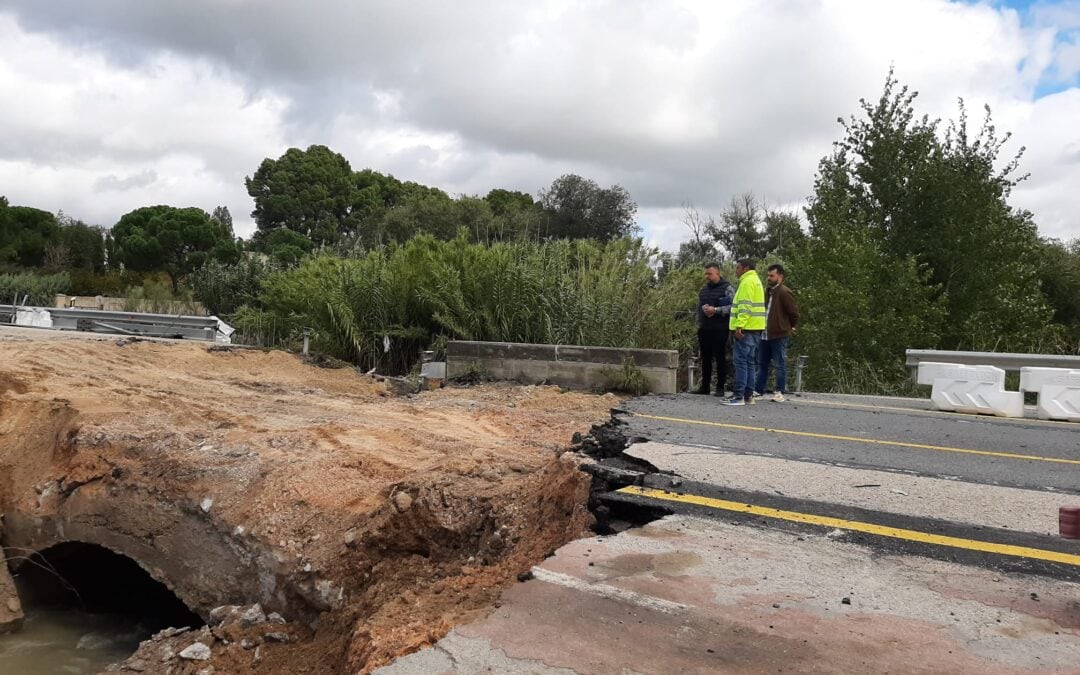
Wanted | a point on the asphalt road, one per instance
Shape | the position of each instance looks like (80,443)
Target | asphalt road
(867,432)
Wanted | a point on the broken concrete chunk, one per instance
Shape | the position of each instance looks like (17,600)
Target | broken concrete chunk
(278,637)
(248,643)
(402,501)
(274,617)
(253,615)
(219,614)
(206,504)
(196,652)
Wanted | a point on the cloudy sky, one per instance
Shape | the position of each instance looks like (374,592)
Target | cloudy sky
(109,105)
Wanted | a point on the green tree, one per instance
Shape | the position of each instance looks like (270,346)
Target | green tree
(578,208)
(83,245)
(308,191)
(783,233)
(25,234)
(740,230)
(922,220)
(281,244)
(222,217)
(173,240)
(1059,267)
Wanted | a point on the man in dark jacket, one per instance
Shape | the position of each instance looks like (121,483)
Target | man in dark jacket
(713,312)
(782,315)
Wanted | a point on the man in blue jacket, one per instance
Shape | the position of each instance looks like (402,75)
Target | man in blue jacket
(713,314)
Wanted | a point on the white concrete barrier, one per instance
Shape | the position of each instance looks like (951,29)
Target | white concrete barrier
(971,389)
(1058,390)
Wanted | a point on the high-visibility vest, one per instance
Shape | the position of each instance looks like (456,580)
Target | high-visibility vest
(748,306)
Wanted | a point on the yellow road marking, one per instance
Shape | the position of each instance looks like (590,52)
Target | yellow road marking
(856,439)
(857,526)
(981,418)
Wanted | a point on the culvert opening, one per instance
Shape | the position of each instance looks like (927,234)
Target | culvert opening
(91,578)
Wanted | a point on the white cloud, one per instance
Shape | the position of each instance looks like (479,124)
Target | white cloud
(676,101)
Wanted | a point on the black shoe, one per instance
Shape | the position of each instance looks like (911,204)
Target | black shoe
(719,392)
(701,391)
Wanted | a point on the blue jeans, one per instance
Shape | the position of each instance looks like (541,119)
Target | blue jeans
(772,351)
(744,355)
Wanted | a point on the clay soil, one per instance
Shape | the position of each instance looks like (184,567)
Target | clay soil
(407,514)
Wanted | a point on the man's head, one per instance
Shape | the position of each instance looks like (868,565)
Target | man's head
(743,266)
(775,275)
(712,273)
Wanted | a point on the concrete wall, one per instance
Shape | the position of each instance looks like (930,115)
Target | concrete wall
(111,304)
(566,365)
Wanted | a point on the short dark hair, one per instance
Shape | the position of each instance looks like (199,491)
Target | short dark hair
(778,268)
(712,266)
(748,263)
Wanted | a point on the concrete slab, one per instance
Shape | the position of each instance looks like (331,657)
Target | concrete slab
(699,596)
(888,491)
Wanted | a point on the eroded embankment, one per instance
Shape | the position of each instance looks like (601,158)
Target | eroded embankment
(370,523)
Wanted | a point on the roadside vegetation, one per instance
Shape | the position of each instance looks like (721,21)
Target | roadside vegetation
(908,241)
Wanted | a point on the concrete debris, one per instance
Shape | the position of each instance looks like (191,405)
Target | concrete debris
(402,502)
(219,614)
(274,617)
(278,637)
(196,652)
(206,504)
(248,643)
(253,616)
(136,665)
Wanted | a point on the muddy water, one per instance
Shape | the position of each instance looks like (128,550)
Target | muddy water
(69,641)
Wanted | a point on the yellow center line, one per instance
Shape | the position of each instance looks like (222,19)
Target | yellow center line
(857,526)
(856,439)
(942,413)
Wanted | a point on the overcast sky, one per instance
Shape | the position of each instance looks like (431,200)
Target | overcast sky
(109,105)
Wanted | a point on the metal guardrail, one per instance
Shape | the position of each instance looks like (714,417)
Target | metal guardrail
(1006,361)
(125,323)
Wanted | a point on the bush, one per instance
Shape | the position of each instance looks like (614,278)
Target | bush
(223,289)
(628,379)
(33,289)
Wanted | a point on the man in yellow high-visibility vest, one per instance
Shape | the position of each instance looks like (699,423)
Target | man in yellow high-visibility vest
(746,324)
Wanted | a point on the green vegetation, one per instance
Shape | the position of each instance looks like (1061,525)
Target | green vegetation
(626,379)
(32,289)
(380,307)
(911,242)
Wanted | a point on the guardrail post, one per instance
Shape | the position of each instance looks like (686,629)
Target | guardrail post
(800,363)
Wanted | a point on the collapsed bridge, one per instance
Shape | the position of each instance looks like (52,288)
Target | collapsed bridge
(369,523)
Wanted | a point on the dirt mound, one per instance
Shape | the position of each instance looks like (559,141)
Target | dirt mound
(372,523)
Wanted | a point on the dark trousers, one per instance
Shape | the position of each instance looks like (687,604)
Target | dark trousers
(713,345)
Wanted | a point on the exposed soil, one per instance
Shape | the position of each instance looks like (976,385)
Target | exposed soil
(372,523)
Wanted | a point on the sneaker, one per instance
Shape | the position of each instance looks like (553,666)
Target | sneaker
(756,395)
(734,400)
(778,397)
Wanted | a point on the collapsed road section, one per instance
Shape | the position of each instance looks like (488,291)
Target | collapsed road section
(362,525)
